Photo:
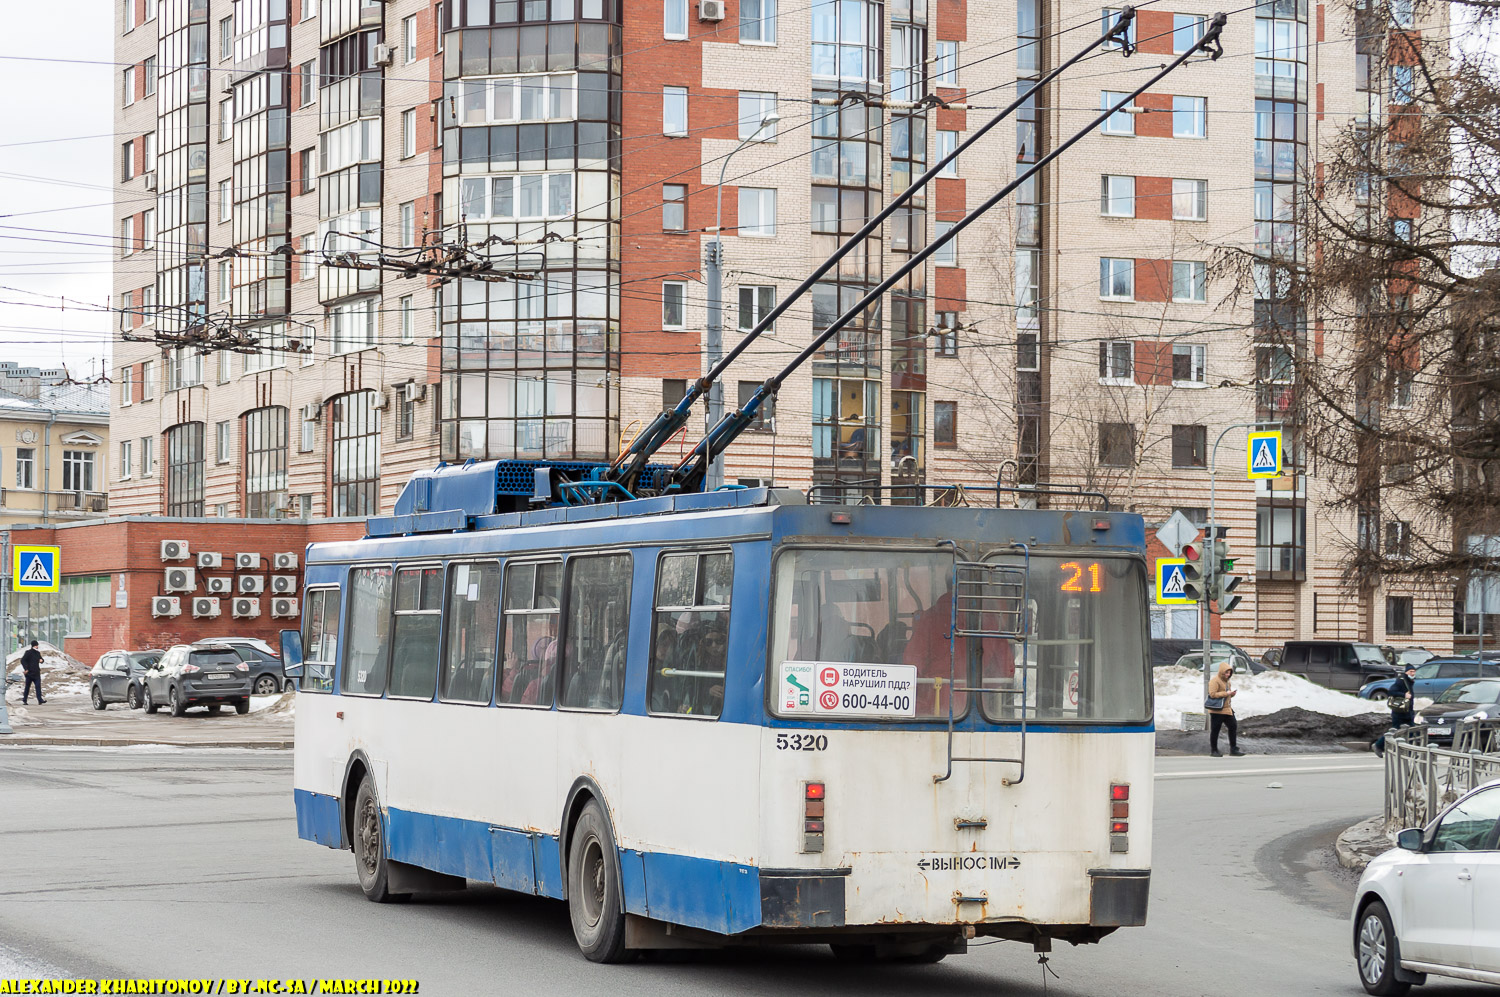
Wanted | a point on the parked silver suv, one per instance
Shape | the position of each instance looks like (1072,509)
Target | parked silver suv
(197,675)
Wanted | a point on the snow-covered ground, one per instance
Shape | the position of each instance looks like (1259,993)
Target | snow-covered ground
(1180,690)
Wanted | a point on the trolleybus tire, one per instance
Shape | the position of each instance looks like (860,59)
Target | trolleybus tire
(594,888)
(368,843)
(1378,953)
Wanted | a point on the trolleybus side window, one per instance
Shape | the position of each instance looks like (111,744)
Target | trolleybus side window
(594,638)
(881,607)
(529,647)
(1086,652)
(366,646)
(416,632)
(690,634)
(320,639)
(472,631)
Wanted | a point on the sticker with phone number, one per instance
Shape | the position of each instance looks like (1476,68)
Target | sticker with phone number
(847,689)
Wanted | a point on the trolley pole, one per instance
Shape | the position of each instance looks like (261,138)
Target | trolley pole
(5,627)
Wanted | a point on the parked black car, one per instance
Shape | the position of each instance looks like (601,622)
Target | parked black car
(1335,664)
(266,676)
(197,675)
(1478,698)
(116,677)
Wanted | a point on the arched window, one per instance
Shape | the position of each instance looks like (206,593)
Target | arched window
(185,470)
(265,436)
(354,454)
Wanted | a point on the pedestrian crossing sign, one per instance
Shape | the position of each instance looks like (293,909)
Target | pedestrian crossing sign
(1263,455)
(36,569)
(1171,582)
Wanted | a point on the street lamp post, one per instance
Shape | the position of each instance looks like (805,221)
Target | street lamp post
(713,268)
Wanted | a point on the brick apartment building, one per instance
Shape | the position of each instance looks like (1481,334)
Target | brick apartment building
(1074,337)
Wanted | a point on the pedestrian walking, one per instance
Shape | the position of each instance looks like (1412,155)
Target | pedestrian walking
(1402,701)
(31,667)
(1220,707)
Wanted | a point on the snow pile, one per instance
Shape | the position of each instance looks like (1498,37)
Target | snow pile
(1180,690)
(52,657)
(283,705)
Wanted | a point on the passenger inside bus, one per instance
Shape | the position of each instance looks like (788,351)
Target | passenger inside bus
(929,650)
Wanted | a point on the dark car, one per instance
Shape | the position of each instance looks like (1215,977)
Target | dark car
(1434,677)
(266,676)
(116,677)
(197,675)
(1470,699)
(1336,664)
(1169,651)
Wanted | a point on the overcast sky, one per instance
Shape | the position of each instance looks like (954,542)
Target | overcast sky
(55,160)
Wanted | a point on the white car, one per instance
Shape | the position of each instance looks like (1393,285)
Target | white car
(1431,905)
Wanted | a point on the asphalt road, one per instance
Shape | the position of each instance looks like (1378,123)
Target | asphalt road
(153,864)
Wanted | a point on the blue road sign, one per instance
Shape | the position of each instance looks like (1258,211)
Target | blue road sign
(1263,455)
(1171,582)
(36,569)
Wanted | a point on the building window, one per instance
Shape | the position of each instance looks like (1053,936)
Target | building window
(127,235)
(504,99)
(406,224)
(407,308)
(309,440)
(127,161)
(127,81)
(1109,19)
(409,39)
(674,109)
(25,467)
(1117,360)
(758,211)
(945,255)
(148,152)
(222,442)
(226,119)
(1116,444)
(1397,538)
(1398,621)
(226,281)
(265,432)
(673,390)
(1117,196)
(148,380)
(351,327)
(437,24)
(673,207)
(226,202)
(309,256)
(127,459)
(947,141)
(307,77)
(355,458)
(1189,281)
(1189,446)
(148,70)
(1190,200)
(945,424)
(185,454)
(224,366)
(674,18)
(755,108)
(127,385)
(1402,380)
(184,368)
(1189,363)
(945,65)
(148,456)
(1116,278)
(1189,117)
(128,314)
(1122,122)
(756,302)
(129,16)
(148,228)
(226,38)
(307,168)
(406,414)
(758,21)
(673,304)
(945,341)
(765,416)
(408,133)
(1187,29)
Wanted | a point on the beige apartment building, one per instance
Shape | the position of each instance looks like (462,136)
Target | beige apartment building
(54,447)
(1074,338)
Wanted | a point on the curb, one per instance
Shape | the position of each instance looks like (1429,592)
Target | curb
(123,742)
(1358,844)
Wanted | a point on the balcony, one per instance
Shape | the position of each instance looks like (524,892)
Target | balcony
(1281,562)
(32,501)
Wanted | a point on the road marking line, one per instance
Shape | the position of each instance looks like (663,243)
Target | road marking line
(1310,769)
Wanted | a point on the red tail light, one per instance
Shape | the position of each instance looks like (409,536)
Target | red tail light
(1119,811)
(815,791)
(813,803)
(242,667)
(190,669)
(1119,827)
(1119,791)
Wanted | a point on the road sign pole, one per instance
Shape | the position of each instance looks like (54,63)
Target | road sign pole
(1204,616)
(5,627)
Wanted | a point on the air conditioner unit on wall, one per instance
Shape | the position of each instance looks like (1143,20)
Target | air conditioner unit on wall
(210,559)
(711,10)
(180,579)
(284,607)
(383,55)
(251,585)
(245,609)
(219,586)
(382,400)
(283,584)
(312,411)
(151,180)
(166,605)
(413,391)
(175,550)
(246,562)
(286,561)
(205,608)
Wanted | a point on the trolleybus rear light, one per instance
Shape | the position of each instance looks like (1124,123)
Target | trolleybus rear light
(813,827)
(813,797)
(840,518)
(1119,811)
(1119,791)
(1119,827)
(814,790)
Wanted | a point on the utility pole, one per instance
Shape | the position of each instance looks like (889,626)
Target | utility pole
(5,627)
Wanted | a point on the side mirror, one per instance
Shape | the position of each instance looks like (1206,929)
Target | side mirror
(1410,839)
(291,653)
(123,666)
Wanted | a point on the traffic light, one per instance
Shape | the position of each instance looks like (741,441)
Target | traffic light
(1195,581)
(1224,582)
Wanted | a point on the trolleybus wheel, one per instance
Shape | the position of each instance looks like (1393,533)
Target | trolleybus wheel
(594,888)
(369,848)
